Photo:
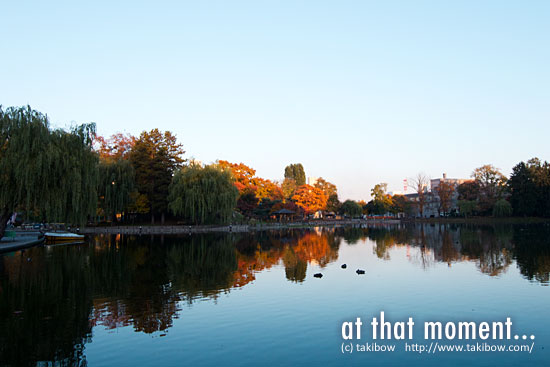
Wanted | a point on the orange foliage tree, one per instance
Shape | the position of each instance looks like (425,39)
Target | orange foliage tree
(242,173)
(115,147)
(246,182)
(310,198)
(267,189)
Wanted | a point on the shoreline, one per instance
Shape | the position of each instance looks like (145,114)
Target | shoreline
(479,220)
(232,228)
(243,228)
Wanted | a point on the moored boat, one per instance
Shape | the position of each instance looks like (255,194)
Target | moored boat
(63,237)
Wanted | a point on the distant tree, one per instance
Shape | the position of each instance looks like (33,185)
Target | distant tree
(523,190)
(468,190)
(243,174)
(310,198)
(116,147)
(296,172)
(502,208)
(375,207)
(267,189)
(400,204)
(370,208)
(541,174)
(351,208)
(203,195)
(333,204)
(247,202)
(529,187)
(327,187)
(363,205)
(420,185)
(445,191)
(378,192)
(491,183)
(466,207)
(289,187)
(52,173)
(155,157)
(382,201)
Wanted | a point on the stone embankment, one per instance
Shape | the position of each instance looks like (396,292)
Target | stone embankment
(186,229)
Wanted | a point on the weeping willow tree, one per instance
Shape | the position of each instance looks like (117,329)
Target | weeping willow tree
(203,194)
(51,173)
(116,183)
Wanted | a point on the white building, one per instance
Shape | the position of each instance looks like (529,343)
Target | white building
(312,180)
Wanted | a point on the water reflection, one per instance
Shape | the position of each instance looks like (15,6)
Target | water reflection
(51,298)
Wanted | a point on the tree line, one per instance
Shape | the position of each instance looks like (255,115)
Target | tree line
(74,176)
(526,193)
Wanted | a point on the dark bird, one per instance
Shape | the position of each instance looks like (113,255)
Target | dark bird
(359,271)
(344,266)
(318,275)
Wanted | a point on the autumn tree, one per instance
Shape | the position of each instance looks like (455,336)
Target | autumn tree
(296,172)
(243,174)
(445,191)
(155,157)
(247,202)
(400,204)
(310,198)
(117,146)
(52,173)
(327,187)
(267,189)
(491,183)
(468,190)
(420,185)
(203,195)
(382,201)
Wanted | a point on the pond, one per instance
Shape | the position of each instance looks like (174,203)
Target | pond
(252,299)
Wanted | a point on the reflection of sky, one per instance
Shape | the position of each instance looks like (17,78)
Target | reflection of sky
(273,321)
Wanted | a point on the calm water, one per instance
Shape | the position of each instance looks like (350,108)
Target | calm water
(241,299)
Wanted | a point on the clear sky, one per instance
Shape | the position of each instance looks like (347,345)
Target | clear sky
(359,92)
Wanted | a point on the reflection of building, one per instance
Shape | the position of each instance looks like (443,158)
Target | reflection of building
(431,199)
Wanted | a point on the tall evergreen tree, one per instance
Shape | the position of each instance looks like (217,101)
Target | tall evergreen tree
(155,157)
(530,188)
(523,190)
(296,172)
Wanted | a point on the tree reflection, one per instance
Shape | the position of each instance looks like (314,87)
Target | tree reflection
(50,298)
(532,251)
(44,308)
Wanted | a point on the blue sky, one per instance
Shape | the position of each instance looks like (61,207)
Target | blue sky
(359,92)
